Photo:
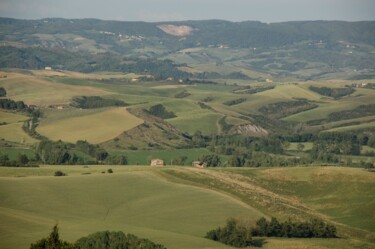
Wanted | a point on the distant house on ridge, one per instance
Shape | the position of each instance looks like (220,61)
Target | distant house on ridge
(157,162)
(199,164)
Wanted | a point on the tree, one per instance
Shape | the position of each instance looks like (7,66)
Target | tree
(211,160)
(115,240)
(53,152)
(232,234)
(160,111)
(371,141)
(101,155)
(4,159)
(22,159)
(52,242)
(117,160)
(59,173)
(300,147)
(312,229)
(3,92)
(181,160)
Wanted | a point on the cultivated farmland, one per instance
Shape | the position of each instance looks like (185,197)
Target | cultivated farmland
(94,127)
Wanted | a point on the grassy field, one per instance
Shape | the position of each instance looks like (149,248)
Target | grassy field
(343,195)
(176,206)
(12,131)
(41,92)
(294,146)
(137,201)
(368,125)
(36,87)
(13,152)
(95,128)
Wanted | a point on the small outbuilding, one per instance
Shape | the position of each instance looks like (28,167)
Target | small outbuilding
(199,164)
(157,162)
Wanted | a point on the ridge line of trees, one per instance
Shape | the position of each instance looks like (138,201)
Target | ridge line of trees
(238,235)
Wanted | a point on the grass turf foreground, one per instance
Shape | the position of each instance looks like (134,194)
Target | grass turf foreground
(151,203)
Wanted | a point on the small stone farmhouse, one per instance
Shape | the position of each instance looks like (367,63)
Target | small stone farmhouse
(199,164)
(157,162)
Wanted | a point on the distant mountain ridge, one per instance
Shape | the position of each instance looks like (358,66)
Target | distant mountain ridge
(241,34)
(276,48)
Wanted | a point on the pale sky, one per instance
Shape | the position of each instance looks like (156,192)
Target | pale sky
(176,10)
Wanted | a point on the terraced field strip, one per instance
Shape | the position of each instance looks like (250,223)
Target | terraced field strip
(95,128)
(42,92)
(13,131)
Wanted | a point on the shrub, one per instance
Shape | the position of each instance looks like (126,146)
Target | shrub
(3,92)
(99,240)
(160,111)
(59,173)
(311,229)
(211,160)
(52,242)
(114,240)
(232,234)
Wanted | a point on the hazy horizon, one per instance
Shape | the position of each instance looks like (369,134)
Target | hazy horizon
(178,10)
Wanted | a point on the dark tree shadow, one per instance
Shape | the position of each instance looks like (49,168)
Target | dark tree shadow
(259,242)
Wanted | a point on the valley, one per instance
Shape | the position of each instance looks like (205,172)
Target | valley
(245,119)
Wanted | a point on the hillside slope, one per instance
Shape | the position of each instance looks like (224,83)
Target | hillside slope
(176,206)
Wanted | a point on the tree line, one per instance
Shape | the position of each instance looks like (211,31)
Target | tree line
(332,92)
(238,235)
(246,151)
(283,109)
(50,152)
(99,240)
(22,160)
(314,228)
(91,102)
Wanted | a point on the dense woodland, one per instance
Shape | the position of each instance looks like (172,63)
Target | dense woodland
(283,109)
(332,92)
(92,102)
(160,111)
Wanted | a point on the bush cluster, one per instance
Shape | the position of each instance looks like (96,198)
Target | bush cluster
(237,235)
(99,240)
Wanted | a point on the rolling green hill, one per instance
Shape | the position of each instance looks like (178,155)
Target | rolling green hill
(247,99)
(176,206)
(136,201)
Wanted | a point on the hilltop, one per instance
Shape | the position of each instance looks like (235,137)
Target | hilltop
(218,49)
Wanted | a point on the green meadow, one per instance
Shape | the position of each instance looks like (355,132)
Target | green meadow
(175,206)
(12,130)
(57,88)
(135,201)
(93,127)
